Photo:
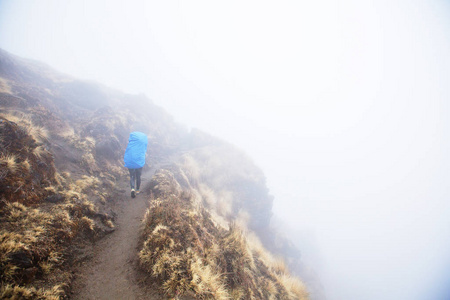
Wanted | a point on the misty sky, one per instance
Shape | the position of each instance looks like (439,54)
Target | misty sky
(344,105)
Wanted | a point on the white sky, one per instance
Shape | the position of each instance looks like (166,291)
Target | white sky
(343,104)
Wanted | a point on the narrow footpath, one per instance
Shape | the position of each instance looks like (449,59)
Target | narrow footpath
(111,273)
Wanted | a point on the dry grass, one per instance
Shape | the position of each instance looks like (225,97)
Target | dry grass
(17,117)
(10,162)
(187,254)
(54,259)
(37,238)
(39,133)
(87,182)
(88,160)
(109,224)
(26,165)
(176,264)
(86,144)
(67,133)
(53,211)
(278,266)
(294,286)
(183,249)
(80,206)
(9,291)
(22,164)
(219,204)
(87,223)
(225,204)
(4,86)
(46,267)
(206,280)
(275,264)
(90,141)
(77,201)
(40,152)
(87,147)
(229,183)
(29,231)
(40,236)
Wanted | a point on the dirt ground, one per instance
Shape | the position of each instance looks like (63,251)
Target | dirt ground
(112,270)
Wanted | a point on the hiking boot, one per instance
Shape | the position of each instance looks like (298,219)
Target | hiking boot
(133,193)
(137,192)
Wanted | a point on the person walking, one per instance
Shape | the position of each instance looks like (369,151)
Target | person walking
(134,159)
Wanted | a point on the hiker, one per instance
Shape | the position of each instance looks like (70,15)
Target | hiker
(134,159)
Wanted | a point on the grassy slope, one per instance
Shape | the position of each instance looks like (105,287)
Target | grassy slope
(60,158)
(188,253)
(62,142)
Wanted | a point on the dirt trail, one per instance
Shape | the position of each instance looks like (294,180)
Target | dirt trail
(112,271)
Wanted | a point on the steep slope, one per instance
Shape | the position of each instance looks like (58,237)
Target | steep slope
(60,163)
(62,142)
(188,254)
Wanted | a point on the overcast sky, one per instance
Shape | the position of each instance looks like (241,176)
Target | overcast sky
(343,104)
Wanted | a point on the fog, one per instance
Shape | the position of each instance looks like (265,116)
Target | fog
(344,105)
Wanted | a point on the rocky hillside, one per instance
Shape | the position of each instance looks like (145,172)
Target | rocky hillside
(61,147)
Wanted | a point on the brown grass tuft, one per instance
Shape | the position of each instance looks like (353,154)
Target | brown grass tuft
(67,133)
(39,152)
(87,182)
(109,224)
(16,117)
(206,280)
(9,291)
(9,160)
(87,223)
(38,133)
(294,286)
(26,165)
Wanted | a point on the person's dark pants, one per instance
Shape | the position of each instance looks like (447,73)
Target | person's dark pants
(135,177)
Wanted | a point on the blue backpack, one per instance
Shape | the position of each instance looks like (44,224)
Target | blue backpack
(134,157)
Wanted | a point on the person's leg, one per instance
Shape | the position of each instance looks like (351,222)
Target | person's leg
(132,177)
(132,181)
(138,179)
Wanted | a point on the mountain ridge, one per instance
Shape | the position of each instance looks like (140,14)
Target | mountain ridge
(66,166)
